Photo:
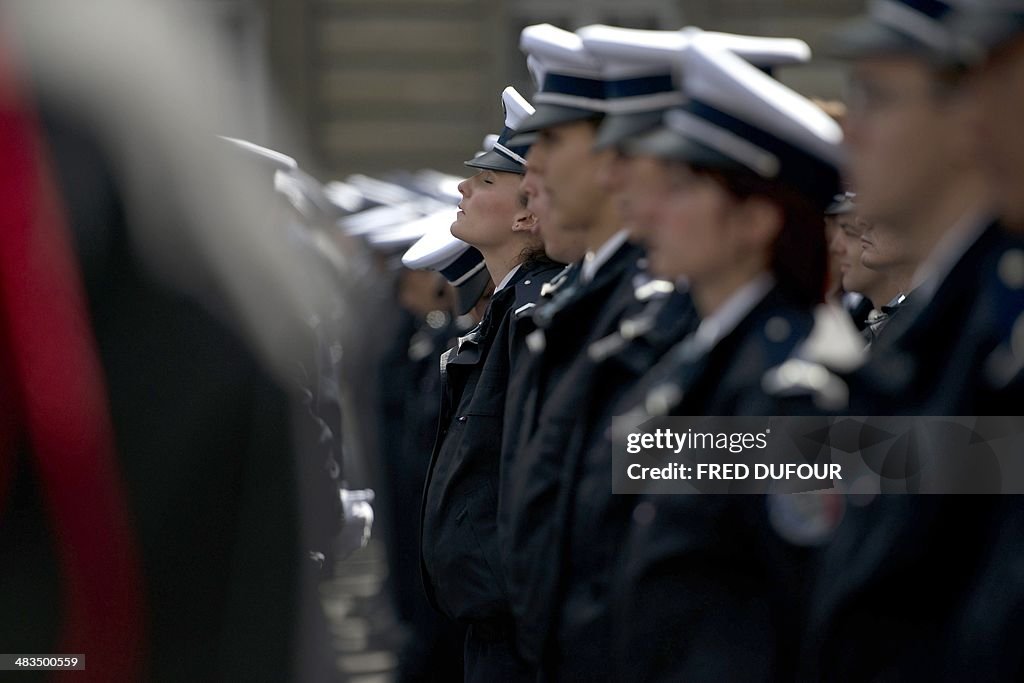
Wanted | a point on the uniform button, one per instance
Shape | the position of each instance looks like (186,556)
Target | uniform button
(662,399)
(777,329)
(644,513)
(526,282)
(462,418)
(1011,268)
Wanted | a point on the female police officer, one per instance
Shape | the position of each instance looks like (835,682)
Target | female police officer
(461,561)
(735,183)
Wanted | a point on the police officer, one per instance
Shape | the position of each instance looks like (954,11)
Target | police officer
(638,82)
(462,567)
(588,305)
(409,384)
(845,268)
(918,172)
(706,589)
(982,639)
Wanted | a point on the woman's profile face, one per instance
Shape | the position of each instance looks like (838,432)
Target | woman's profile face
(693,232)
(487,212)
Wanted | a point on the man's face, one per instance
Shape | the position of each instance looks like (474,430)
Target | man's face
(907,138)
(999,88)
(846,249)
(884,248)
(423,291)
(559,245)
(646,187)
(570,171)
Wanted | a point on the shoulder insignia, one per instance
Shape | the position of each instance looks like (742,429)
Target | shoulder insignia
(523,310)
(536,341)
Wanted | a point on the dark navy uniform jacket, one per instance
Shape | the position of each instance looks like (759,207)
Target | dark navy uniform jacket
(705,589)
(551,397)
(591,520)
(937,567)
(460,559)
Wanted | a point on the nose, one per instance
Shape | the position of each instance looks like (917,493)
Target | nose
(528,185)
(620,170)
(535,159)
(835,245)
(464,187)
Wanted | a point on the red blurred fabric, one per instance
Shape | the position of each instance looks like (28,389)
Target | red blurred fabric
(53,394)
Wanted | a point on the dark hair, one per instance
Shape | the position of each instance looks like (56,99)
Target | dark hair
(799,258)
(534,253)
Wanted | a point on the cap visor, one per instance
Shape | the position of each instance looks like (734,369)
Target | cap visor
(496,162)
(839,208)
(665,144)
(988,31)
(547,116)
(616,128)
(469,292)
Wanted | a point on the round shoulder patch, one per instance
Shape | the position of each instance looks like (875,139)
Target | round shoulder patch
(806,519)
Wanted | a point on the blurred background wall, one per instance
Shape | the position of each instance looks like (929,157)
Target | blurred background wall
(378,85)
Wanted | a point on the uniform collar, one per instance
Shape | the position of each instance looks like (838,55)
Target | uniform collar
(719,324)
(950,249)
(508,278)
(593,261)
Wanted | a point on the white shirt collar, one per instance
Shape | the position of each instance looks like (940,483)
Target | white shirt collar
(593,261)
(505,280)
(719,324)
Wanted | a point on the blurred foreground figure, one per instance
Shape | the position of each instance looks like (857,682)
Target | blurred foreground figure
(149,500)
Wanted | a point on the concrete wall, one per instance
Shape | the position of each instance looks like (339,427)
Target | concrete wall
(405,84)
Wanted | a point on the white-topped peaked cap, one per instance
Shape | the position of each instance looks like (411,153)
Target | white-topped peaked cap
(761,51)
(740,117)
(643,70)
(461,264)
(920,28)
(302,191)
(568,78)
(275,160)
(489,141)
(628,51)
(402,234)
(501,156)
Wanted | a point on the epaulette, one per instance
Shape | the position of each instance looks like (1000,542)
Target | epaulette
(802,378)
(629,329)
(523,310)
(652,289)
(549,288)
(815,369)
(536,342)
(834,341)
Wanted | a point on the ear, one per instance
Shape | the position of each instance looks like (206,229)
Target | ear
(525,221)
(759,222)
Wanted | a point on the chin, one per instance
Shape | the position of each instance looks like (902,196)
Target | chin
(657,266)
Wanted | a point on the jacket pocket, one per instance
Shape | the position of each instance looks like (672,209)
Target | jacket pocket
(466,570)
